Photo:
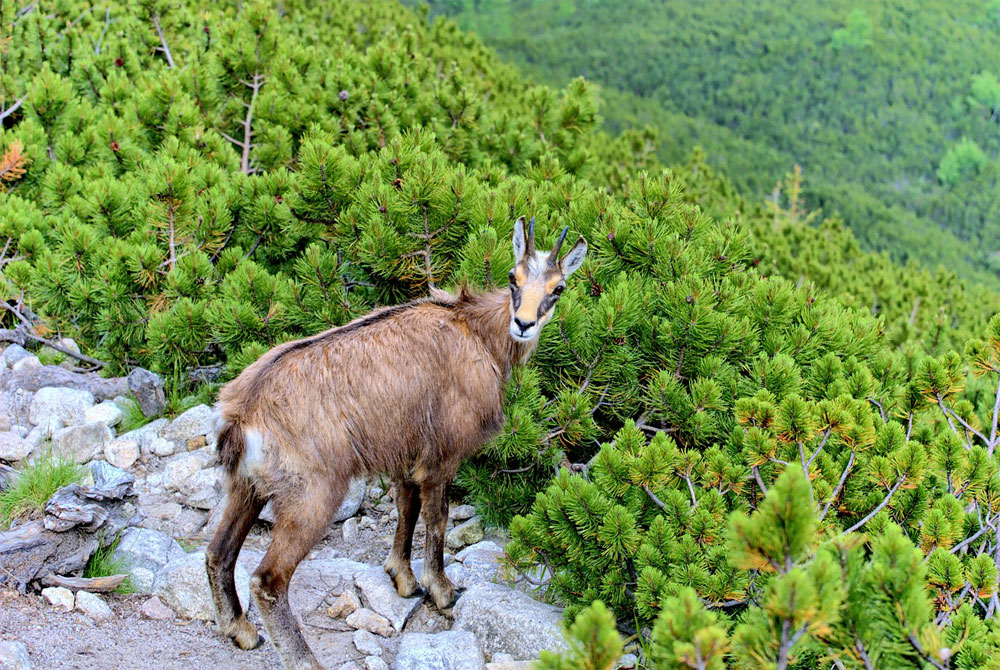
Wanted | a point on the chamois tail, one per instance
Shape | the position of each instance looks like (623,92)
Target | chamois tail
(231,445)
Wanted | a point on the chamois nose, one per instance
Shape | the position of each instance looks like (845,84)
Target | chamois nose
(522,325)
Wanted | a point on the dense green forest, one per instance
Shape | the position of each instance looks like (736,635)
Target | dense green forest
(892,109)
(759,445)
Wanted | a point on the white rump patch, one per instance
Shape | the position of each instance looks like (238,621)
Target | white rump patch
(253,451)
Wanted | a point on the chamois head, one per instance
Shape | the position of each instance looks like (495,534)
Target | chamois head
(537,280)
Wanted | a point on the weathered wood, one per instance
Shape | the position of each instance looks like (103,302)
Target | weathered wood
(92,584)
(78,519)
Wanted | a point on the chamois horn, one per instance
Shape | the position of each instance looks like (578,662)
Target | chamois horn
(554,254)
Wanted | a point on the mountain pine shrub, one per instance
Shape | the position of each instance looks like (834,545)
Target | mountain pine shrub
(733,416)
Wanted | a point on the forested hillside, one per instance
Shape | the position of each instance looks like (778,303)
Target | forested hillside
(756,443)
(892,109)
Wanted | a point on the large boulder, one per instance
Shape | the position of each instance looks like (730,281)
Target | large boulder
(69,405)
(145,552)
(183,586)
(147,388)
(450,650)
(81,444)
(508,621)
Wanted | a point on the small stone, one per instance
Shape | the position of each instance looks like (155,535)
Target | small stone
(82,443)
(376,492)
(195,422)
(461,512)
(122,452)
(502,658)
(144,551)
(628,662)
(69,405)
(375,663)
(202,489)
(69,344)
(14,655)
(5,423)
(465,534)
(365,619)
(12,353)
(60,597)
(13,447)
(161,447)
(29,361)
(107,411)
(352,501)
(154,609)
(367,643)
(147,387)
(510,665)
(450,650)
(93,606)
(344,604)
(350,529)
(179,470)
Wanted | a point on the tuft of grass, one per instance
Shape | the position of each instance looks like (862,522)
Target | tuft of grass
(103,563)
(35,484)
(132,417)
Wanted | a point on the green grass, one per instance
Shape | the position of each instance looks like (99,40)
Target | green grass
(132,417)
(35,484)
(104,564)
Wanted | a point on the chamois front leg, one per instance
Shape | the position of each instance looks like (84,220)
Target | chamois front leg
(398,562)
(434,497)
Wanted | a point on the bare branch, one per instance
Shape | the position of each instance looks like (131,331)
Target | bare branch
(840,485)
(871,515)
(4,113)
(163,41)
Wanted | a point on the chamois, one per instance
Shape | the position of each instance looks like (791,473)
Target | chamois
(409,391)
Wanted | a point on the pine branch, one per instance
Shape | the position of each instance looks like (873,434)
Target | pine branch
(923,654)
(12,163)
(871,515)
(4,113)
(163,41)
(840,485)
(254,85)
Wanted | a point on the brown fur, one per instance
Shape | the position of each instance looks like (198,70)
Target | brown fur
(410,391)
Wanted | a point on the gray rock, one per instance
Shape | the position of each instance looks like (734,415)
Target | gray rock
(350,529)
(180,469)
(450,650)
(482,559)
(509,665)
(141,579)
(461,512)
(344,605)
(183,586)
(161,447)
(465,534)
(147,548)
(106,411)
(508,621)
(121,452)
(82,443)
(12,353)
(29,362)
(13,447)
(203,489)
(365,619)
(367,643)
(461,577)
(60,597)
(352,501)
(628,661)
(145,435)
(16,405)
(502,658)
(69,405)
(195,422)
(93,606)
(154,609)
(147,387)
(14,655)
(378,592)
(375,663)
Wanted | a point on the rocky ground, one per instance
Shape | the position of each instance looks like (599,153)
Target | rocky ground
(349,610)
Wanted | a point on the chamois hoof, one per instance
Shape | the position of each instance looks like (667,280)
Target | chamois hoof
(246,636)
(402,578)
(443,595)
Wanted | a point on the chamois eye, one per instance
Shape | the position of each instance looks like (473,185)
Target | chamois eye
(557,291)
(513,280)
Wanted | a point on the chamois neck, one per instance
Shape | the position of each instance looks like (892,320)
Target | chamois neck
(488,316)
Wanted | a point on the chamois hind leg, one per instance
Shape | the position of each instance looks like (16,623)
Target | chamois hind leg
(242,510)
(301,519)
(434,497)
(398,562)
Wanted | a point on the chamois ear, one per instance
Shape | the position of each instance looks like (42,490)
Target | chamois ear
(520,239)
(573,259)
